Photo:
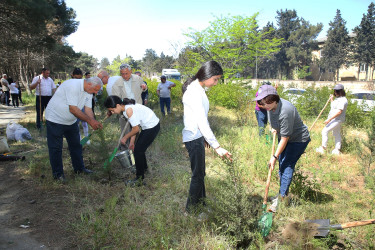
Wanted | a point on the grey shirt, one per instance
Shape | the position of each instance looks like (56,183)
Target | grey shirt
(286,120)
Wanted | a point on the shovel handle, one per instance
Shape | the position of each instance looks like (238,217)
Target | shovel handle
(122,133)
(321,112)
(269,171)
(357,223)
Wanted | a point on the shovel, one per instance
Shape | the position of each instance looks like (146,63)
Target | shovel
(321,112)
(265,221)
(110,159)
(323,226)
(87,138)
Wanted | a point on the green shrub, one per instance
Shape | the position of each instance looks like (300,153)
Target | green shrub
(227,95)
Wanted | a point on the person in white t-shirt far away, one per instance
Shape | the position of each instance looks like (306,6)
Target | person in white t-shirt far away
(44,86)
(164,93)
(335,119)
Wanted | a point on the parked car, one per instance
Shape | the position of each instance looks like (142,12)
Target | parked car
(364,98)
(292,94)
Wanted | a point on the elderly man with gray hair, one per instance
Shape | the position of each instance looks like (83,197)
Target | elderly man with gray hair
(61,120)
(128,86)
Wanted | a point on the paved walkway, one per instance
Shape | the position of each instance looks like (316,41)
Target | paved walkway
(8,113)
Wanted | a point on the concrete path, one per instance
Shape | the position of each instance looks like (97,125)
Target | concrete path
(8,113)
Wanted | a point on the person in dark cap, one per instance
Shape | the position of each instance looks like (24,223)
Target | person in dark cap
(164,93)
(335,119)
(293,137)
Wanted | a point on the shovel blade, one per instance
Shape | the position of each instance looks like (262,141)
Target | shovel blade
(322,227)
(265,223)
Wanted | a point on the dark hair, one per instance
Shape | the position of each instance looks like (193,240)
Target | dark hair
(113,100)
(269,99)
(10,79)
(206,71)
(45,69)
(87,73)
(77,71)
(339,92)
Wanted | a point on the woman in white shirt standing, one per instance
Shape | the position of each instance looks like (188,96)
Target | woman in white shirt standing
(14,92)
(335,119)
(197,132)
(138,116)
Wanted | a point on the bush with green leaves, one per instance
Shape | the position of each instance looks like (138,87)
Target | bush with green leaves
(227,95)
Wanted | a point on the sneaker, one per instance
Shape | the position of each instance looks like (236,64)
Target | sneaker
(335,152)
(202,217)
(274,205)
(320,150)
(137,182)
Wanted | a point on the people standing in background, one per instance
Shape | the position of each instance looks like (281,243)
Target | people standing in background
(197,132)
(87,75)
(44,89)
(19,92)
(5,87)
(14,92)
(335,119)
(144,93)
(164,93)
(261,114)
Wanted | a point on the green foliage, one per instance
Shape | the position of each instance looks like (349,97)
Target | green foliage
(233,41)
(303,187)
(303,73)
(227,95)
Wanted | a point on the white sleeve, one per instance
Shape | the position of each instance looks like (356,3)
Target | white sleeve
(35,79)
(53,86)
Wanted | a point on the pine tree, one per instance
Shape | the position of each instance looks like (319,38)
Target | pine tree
(335,50)
(364,41)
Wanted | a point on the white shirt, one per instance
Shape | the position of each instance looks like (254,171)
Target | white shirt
(340,103)
(46,85)
(70,92)
(196,108)
(110,83)
(13,88)
(163,88)
(142,116)
(128,88)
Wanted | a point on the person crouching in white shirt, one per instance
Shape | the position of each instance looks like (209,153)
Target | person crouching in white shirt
(197,132)
(139,116)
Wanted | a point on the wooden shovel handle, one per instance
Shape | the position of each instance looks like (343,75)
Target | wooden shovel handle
(122,133)
(269,171)
(321,112)
(358,223)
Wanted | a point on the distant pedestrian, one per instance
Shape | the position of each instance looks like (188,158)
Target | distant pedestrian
(293,137)
(336,118)
(45,88)
(164,93)
(5,87)
(14,92)
(19,92)
(197,132)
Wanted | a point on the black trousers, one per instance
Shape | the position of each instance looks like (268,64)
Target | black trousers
(197,191)
(15,100)
(145,139)
(45,100)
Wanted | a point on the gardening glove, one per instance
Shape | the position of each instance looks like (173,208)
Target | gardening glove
(223,152)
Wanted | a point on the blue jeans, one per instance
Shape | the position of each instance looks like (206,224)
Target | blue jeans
(167,102)
(45,100)
(197,191)
(262,120)
(55,134)
(287,162)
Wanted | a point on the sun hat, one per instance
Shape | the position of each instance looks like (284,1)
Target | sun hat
(265,90)
(338,87)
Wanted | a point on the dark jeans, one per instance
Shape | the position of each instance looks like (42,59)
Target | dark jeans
(15,100)
(45,100)
(167,102)
(20,96)
(287,162)
(145,139)
(55,134)
(7,97)
(197,191)
(262,120)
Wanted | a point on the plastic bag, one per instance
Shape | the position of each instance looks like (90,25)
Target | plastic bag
(11,129)
(4,148)
(22,135)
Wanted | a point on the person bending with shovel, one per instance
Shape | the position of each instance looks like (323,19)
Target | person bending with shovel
(293,137)
(138,116)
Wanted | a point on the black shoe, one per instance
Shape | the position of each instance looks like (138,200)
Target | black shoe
(85,171)
(137,182)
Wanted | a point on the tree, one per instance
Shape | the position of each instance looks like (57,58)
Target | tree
(148,61)
(163,62)
(364,41)
(299,42)
(233,41)
(336,48)
(104,63)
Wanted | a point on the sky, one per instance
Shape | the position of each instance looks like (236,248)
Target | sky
(122,27)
